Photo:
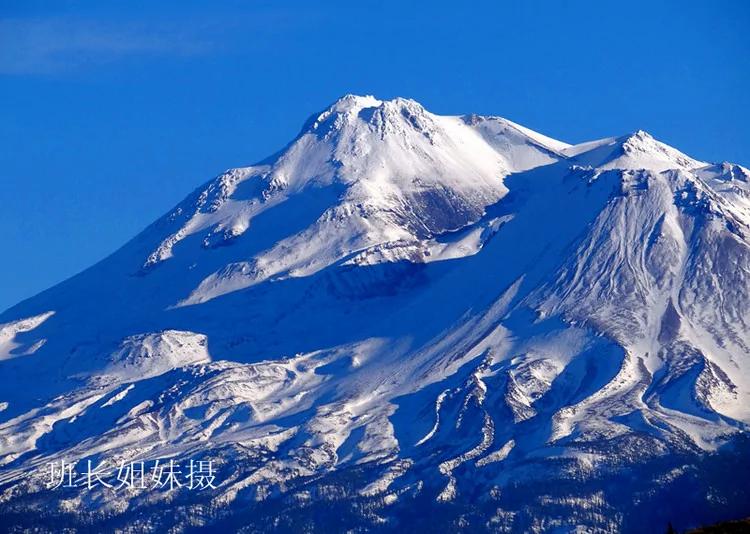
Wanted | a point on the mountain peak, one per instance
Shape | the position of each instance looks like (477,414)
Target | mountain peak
(638,140)
(640,134)
(637,150)
(378,170)
(350,107)
(352,102)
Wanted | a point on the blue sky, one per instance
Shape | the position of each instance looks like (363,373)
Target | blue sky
(110,113)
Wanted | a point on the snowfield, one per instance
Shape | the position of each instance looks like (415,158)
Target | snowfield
(402,309)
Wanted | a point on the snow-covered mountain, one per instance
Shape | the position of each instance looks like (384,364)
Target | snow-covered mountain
(404,312)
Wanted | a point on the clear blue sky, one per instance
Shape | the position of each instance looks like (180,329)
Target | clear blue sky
(111,112)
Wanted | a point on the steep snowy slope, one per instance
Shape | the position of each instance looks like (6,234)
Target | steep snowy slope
(403,306)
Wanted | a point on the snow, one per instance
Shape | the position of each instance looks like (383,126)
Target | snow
(10,347)
(147,355)
(638,150)
(413,295)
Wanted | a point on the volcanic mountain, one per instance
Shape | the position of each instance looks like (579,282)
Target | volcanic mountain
(404,319)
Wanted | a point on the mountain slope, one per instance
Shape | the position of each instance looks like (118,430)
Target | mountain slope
(446,307)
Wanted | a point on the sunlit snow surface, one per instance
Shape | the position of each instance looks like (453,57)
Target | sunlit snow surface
(453,303)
